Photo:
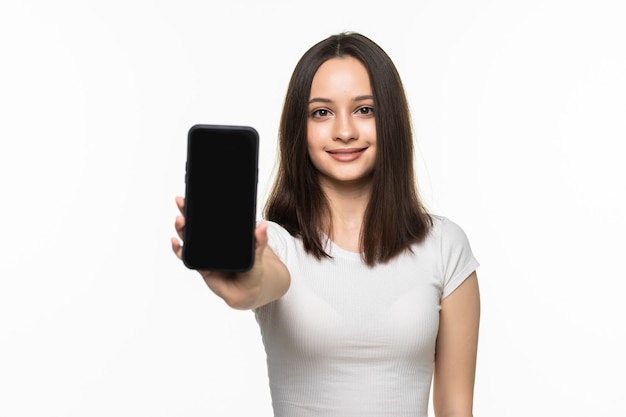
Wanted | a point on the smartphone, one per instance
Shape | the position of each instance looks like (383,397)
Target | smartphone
(220,197)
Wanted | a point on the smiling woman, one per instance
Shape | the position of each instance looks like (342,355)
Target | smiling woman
(341,131)
(357,289)
(348,67)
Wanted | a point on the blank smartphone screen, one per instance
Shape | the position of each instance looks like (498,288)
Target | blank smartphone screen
(220,198)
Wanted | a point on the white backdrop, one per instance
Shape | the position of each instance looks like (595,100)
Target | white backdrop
(519,110)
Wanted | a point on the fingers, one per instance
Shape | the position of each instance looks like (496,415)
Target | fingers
(180,203)
(177,248)
(179,225)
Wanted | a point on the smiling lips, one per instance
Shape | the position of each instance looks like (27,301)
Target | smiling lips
(346,154)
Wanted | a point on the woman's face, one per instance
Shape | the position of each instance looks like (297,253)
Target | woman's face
(341,129)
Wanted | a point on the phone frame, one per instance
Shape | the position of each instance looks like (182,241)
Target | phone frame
(195,237)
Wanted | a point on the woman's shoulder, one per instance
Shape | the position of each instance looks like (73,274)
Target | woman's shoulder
(279,239)
(455,253)
(446,235)
(444,227)
(276,229)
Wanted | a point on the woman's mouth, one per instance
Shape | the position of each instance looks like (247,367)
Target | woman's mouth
(346,154)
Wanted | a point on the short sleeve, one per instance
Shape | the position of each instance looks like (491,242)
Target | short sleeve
(458,260)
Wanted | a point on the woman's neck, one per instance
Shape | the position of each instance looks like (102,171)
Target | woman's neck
(347,211)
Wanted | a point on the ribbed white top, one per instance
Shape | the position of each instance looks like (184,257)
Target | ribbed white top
(347,340)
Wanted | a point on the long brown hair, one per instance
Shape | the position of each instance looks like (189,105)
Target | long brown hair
(395,218)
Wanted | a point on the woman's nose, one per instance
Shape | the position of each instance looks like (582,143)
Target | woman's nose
(345,129)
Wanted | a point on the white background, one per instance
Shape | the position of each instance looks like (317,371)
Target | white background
(519,110)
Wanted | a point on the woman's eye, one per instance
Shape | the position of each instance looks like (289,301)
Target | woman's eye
(365,110)
(320,113)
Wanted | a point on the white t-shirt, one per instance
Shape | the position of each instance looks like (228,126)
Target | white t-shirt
(348,340)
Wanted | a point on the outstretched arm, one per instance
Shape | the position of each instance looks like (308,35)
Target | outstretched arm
(267,281)
(455,355)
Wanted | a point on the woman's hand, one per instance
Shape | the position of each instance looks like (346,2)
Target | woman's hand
(266,281)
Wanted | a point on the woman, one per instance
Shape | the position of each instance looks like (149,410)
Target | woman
(359,291)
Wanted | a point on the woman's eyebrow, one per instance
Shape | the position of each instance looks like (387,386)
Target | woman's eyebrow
(320,100)
(327,100)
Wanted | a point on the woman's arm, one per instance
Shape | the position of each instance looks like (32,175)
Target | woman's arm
(455,355)
(267,281)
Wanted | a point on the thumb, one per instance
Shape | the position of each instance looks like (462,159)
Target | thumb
(260,233)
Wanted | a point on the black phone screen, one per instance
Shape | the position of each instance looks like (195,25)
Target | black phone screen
(220,198)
